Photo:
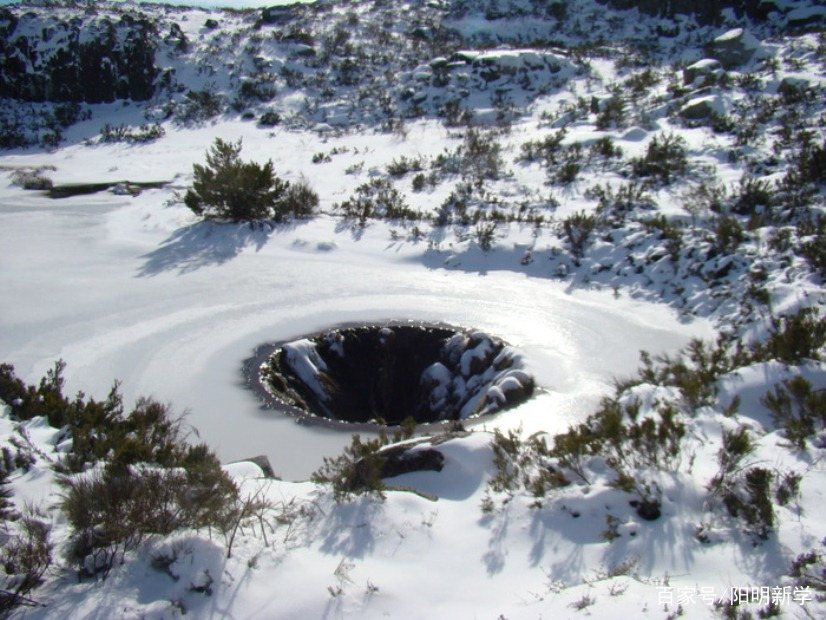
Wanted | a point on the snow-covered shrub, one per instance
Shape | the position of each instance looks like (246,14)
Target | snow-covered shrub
(122,133)
(794,338)
(814,249)
(611,113)
(32,179)
(269,119)
(356,471)
(6,505)
(200,106)
(809,570)
(403,165)
(228,188)
(480,154)
(728,234)
(798,408)
(752,195)
(614,204)
(26,556)
(665,159)
(546,150)
(112,509)
(668,232)
(300,200)
(577,228)
(377,199)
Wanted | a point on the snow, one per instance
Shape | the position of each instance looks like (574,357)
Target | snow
(136,288)
(133,294)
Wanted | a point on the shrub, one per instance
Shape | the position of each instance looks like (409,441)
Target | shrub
(300,200)
(7,511)
(269,119)
(356,471)
(122,133)
(793,338)
(797,408)
(230,189)
(665,159)
(668,232)
(31,179)
(111,510)
(604,147)
(25,557)
(753,193)
(546,149)
(481,156)
(611,114)
(403,165)
(728,233)
(200,105)
(377,199)
(809,571)
(577,228)
(506,450)
(614,204)
(745,492)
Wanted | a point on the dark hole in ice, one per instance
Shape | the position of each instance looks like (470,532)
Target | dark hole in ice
(387,374)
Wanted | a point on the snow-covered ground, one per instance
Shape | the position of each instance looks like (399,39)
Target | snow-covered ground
(135,289)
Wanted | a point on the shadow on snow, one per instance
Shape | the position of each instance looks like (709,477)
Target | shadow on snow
(203,245)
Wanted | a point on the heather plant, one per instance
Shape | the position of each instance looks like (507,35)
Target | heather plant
(355,471)
(126,475)
(578,228)
(798,408)
(665,159)
(377,199)
(113,508)
(25,557)
(481,156)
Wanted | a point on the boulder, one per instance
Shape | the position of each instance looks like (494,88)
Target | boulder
(733,48)
(699,109)
(702,73)
(406,459)
(808,17)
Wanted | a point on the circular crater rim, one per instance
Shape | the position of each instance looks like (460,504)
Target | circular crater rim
(254,381)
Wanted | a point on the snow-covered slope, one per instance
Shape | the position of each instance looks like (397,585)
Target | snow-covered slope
(580,181)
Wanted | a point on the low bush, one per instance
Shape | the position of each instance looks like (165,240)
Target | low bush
(112,509)
(481,156)
(753,194)
(793,338)
(26,556)
(140,476)
(123,133)
(798,408)
(356,471)
(611,113)
(665,159)
(377,199)
(577,228)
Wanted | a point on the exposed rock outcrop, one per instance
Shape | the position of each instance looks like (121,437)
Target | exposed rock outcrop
(704,11)
(87,59)
(733,48)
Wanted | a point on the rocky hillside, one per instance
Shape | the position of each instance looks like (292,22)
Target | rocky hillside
(343,64)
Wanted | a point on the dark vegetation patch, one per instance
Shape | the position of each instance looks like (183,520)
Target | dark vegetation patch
(82,189)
